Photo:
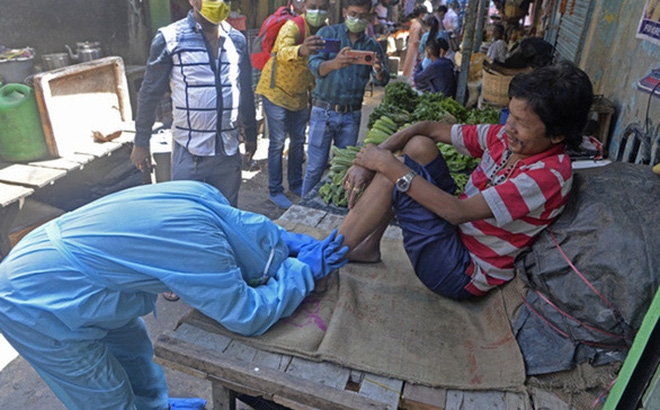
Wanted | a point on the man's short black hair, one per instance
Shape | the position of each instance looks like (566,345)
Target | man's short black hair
(358,3)
(441,9)
(435,45)
(418,11)
(561,95)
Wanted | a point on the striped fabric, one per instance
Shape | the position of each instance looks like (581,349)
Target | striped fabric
(196,82)
(524,204)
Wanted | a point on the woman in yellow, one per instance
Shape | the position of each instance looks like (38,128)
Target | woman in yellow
(285,84)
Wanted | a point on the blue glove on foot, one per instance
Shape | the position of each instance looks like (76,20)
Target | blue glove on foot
(324,256)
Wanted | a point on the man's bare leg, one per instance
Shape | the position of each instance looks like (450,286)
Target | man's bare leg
(365,224)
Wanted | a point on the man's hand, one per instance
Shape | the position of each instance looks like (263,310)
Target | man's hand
(374,158)
(311,45)
(355,182)
(141,158)
(378,68)
(250,149)
(342,60)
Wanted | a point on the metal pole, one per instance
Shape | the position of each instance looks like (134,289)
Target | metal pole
(468,43)
(481,16)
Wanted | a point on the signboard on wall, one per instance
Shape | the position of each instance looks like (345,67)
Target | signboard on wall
(649,25)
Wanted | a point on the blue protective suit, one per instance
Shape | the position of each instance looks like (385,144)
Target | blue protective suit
(72,291)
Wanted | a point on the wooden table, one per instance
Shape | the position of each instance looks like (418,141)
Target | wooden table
(19,181)
(235,368)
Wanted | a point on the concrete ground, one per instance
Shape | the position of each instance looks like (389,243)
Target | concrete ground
(22,388)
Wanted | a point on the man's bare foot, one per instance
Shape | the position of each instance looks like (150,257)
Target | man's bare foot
(364,253)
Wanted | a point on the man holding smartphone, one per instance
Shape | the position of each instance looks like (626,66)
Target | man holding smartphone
(285,85)
(341,77)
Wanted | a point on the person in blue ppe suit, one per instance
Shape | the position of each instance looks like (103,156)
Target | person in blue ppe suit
(72,292)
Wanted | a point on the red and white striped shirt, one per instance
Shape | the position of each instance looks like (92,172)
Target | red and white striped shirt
(523,204)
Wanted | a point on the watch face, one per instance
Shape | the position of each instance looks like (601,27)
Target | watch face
(402,184)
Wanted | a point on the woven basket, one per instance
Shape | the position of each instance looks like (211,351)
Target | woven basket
(476,65)
(495,88)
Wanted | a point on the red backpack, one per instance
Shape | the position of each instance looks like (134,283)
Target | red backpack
(265,40)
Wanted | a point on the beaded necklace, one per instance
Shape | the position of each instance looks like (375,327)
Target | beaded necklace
(495,179)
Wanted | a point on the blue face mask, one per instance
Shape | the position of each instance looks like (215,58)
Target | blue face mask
(355,25)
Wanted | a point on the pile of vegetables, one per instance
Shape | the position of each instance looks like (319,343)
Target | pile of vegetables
(332,192)
(401,107)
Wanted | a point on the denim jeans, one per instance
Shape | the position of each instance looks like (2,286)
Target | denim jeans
(280,122)
(326,127)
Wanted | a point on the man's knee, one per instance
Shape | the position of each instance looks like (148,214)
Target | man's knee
(421,149)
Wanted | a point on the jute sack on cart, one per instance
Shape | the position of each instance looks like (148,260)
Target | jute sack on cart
(593,274)
(379,318)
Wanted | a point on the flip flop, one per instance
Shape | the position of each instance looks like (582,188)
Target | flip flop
(170,296)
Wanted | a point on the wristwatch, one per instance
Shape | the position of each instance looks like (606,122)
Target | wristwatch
(403,183)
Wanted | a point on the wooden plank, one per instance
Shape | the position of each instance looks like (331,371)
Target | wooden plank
(192,334)
(34,177)
(292,405)
(330,221)
(546,400)
(97,88)
(223,398)
(418,397)
(97,149)
(241,351)
(517,401)
(475,400)
(13,193)
(58,163)
(272,360)
(323,373)
(303,215)
(80,158)
(382,389)
(268,381)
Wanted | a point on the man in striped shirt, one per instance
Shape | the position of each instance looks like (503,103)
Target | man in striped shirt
(462,247)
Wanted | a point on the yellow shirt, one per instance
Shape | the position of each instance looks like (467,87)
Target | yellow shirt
(293,80)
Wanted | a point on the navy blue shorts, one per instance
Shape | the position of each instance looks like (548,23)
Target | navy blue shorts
(433,245)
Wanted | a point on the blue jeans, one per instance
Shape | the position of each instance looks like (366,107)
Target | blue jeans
(326,127)
(280,122)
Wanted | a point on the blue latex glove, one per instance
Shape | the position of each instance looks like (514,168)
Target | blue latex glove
(324,256)
(296,241)
(186,404)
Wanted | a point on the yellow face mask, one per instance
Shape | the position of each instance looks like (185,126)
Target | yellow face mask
(215,11)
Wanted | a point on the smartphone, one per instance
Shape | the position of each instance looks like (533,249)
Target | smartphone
(362,57)
(331,45)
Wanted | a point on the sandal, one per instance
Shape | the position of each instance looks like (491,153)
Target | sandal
(170,296)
